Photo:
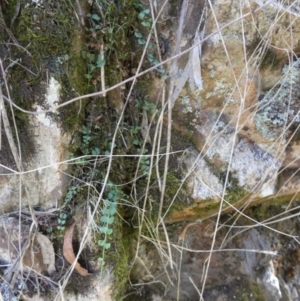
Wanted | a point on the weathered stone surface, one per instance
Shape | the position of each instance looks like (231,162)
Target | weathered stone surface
(242,122)
(51,143)
(100,288)
(248,106)
(43,181)
(250,264)
(15,244)
(203,184)
(25,255)
(278,112)
(238,105)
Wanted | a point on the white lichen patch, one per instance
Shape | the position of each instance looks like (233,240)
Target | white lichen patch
(254,168)
(279,109)
(43,180)
(271,284)
(51,100)
(216,39)
(187,107)
(202,182)
(38,3)
(222,88)
(50,147)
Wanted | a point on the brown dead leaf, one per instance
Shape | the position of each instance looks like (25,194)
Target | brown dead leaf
(68,251)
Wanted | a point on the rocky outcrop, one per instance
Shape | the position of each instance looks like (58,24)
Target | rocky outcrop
(244,117)
(247,262)
(43,179)
(232,77)
(242,123)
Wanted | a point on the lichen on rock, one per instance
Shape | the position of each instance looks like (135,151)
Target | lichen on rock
(278,111)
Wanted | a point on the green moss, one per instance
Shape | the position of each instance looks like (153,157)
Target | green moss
(173,184)
(207,209)
(50,33)
(47,36)
(271,61)
(47,33)
(54,47)
(235,194)
(257,294)
(124,242)
(10,9)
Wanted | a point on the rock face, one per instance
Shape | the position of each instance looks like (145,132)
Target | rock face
(26,254)
(41,260)
(31,266)
(52,145)
(244,116)
(278,111)
(233,77)
(43,180)
(247,263)
(34,147)
(239,109)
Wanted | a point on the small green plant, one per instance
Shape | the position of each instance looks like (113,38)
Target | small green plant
(146,105)
(107,152)
(96,151)
(155,62)
(143,16)
(86,137)
(93,62)
(72,191)
(86,134)
(135,129)
(107,219)
(62,221)
(85,147)
(145,161)
(96,17)
(140,38)
(146,22)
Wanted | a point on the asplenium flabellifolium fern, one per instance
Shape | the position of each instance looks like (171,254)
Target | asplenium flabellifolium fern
(107,219)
